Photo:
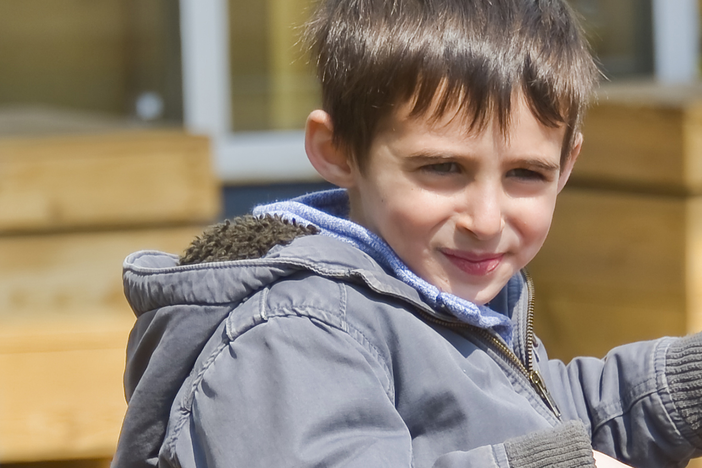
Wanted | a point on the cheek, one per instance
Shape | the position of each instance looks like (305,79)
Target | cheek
(534,221)
(402,222)
(398,205)
(407,223)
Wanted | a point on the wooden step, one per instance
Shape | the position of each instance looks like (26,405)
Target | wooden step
(644,136)
(62,397)
(64,325)
(67,273)
(126,178)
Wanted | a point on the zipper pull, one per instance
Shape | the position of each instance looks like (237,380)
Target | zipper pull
(540,387)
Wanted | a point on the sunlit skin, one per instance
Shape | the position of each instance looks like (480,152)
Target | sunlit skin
(464,210)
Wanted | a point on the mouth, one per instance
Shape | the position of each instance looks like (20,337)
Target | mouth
(473,263)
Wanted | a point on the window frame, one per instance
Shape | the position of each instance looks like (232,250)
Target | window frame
(676,47)
(239,157)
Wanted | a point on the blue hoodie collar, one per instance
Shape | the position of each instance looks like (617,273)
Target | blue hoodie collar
(328,210)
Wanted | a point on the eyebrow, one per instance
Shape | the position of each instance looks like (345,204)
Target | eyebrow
(431,157)
(541,164)
(532,162)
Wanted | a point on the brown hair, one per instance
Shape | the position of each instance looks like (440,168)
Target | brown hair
(468,55)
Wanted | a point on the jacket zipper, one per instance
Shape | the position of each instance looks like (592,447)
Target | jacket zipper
(526,368)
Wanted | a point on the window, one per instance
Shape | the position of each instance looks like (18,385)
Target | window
(74,65)
(273,86)
(621,35)
(649,38)
(267,145)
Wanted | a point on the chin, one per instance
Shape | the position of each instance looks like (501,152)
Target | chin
(480,297)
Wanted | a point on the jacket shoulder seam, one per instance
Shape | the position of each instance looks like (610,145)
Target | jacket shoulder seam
(367,344)
(343,325)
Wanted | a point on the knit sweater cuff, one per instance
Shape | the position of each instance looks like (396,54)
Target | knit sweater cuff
(564,446)
(683,372)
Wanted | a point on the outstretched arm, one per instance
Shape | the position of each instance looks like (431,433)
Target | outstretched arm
(643,400)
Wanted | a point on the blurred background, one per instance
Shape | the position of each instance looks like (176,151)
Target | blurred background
(131,124)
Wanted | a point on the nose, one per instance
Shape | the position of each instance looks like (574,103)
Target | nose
(483,214)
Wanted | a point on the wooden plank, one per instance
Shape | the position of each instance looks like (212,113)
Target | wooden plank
(644,136)
(121,179)
(69,274)
(23,121)
(693,264)
(63,330)
(612,271)
(692,131)
(62,395)
(624,143)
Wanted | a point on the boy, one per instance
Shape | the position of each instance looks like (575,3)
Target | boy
(389,323)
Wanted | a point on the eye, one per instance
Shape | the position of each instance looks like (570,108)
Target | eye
(526,174)
(442,168)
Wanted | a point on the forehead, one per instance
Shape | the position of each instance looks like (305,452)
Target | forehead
(459,123)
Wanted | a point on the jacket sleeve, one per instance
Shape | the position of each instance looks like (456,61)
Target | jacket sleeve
(643,401)
(293,391)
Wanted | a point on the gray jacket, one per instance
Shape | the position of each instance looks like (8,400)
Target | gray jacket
(314,356)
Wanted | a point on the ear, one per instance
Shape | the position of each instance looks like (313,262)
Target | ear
(570,162)
(329,161)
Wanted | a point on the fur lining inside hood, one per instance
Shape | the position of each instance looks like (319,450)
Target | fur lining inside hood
(245,237)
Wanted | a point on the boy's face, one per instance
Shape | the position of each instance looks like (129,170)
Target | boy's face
(463,211)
